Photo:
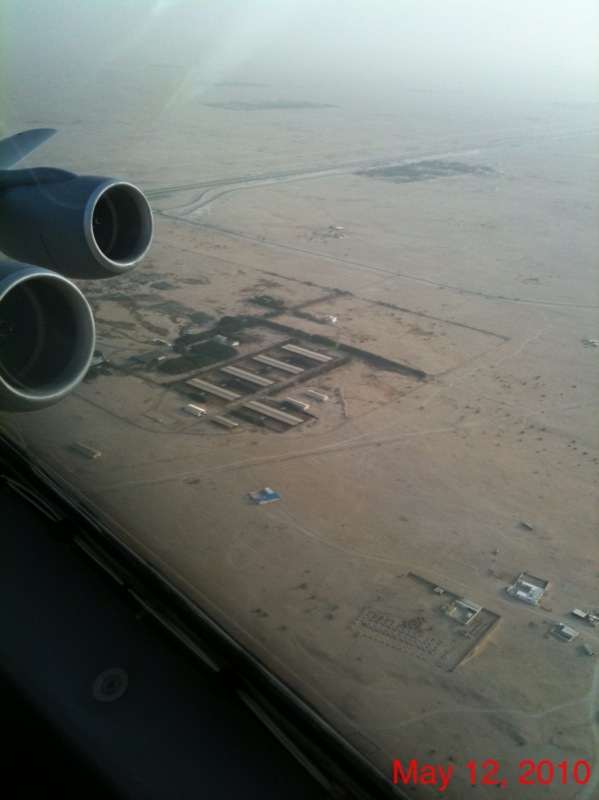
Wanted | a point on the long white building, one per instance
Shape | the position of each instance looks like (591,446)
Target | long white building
(275,413)
(301,351)
(250,377)
(274,362)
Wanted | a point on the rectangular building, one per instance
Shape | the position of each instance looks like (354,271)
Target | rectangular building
(528,588)
(275,413)
(274,362)
(204,386)
(463,610)
(85,450)
(197,411)
(301,351)
(224,421)
(250,377)
(299,404)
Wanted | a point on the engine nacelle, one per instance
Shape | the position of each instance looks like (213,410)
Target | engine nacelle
(81,226)
(47,337)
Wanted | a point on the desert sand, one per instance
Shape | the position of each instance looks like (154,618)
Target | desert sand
(483,277)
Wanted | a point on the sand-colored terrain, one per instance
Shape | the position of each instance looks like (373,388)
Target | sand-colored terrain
(486,282)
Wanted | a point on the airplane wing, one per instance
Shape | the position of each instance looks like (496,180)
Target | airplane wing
(17,147)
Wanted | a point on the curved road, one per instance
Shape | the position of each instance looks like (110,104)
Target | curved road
(209,191)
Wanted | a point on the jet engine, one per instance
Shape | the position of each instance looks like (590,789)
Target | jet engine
(62,226)
(81,226)
(46,337)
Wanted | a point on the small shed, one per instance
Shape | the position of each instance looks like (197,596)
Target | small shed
(266,495)
(463,610)
(564,632)
(528,588)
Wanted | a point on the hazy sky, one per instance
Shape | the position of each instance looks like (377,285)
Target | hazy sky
(225,39)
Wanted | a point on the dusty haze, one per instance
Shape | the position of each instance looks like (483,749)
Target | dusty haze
(427,172)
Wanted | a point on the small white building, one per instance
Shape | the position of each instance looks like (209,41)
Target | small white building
(528,588)
(85,450)
(577,612)
(463,610)
(299,404)
(564,632)
(224,421)
(317,395)
(197,411)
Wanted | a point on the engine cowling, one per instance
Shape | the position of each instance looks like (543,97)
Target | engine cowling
(47,337)
(81,226)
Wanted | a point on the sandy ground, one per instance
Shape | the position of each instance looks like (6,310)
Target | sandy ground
(485,282)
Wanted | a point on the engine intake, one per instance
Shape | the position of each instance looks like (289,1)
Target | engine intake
(47,337)
(82,227)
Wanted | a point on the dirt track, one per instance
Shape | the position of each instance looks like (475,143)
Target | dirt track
(489,285)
